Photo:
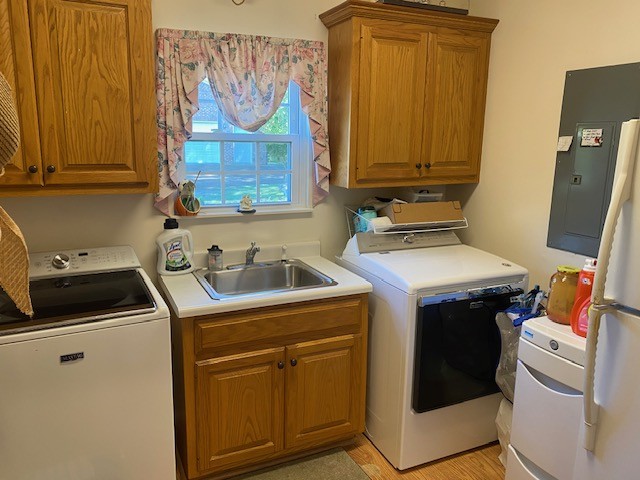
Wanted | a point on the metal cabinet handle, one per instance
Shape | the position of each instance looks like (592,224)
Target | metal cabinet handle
(51,169)
(427,165)
(280,364)
(418,166)
(33,169)
(294,362)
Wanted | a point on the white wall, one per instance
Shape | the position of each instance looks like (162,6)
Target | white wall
(533,46)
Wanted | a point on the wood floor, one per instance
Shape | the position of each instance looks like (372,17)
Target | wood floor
(479,464)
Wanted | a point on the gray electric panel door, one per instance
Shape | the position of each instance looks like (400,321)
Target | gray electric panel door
(596,101)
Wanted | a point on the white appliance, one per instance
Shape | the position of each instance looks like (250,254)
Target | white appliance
(85,386)
(548,402)
(607,439)
(433,341)
(611,391)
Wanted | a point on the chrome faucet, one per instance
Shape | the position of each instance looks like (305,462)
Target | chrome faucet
(251,252)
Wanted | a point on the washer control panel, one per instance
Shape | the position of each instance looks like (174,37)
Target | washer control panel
(74,262)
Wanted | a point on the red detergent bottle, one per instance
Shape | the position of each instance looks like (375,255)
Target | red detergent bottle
(582,300)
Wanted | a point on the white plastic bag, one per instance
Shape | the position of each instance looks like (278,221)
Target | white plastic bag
(503,425)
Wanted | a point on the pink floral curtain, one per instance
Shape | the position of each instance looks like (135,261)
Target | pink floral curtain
(249,76)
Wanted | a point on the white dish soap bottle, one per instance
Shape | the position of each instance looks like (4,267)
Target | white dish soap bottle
(175,249)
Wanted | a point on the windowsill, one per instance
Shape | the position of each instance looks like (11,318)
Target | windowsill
(260,212)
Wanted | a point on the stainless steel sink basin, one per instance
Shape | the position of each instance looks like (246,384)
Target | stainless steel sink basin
(262,278)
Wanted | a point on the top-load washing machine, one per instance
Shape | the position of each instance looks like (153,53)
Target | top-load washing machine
(433,342)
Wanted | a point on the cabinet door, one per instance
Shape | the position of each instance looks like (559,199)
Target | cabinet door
(455,105)
(94,80)
(325,390)
(393,62)
(239,409)
(16,67)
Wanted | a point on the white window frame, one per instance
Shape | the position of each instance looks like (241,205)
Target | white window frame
(301,159)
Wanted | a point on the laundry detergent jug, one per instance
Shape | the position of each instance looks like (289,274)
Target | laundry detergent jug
(175,249)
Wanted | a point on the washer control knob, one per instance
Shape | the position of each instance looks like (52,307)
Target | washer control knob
(60,261)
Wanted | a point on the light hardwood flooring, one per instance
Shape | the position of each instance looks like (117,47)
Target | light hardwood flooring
(479,464)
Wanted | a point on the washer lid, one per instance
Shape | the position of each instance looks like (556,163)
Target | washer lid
(77,299)
(438,269)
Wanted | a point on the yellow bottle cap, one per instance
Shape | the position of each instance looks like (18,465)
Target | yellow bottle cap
(568,269)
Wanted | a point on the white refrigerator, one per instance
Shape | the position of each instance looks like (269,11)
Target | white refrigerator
(609,446)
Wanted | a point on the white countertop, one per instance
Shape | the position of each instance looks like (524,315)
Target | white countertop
(187,298)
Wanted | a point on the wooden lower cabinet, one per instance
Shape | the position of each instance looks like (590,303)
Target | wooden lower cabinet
(259,395)
(321,389)
(239,406)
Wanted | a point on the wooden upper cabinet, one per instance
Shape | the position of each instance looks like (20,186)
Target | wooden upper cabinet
(393,58)
(455,109)
(16,67)
(407,89)
(93,71)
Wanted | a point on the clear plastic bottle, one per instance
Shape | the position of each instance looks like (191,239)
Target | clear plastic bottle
(582,299)
(175,249)
(215,258)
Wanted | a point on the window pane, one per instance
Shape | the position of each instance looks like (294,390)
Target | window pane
(236,186)
(275,188)
(239,156)
(278,124)
(208,189)
(206,119)
(202,156)
(274,156)
(228,168)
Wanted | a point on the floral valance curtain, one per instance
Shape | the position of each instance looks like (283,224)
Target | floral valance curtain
(249,76)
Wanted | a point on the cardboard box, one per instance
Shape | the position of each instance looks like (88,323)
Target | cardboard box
(423,212)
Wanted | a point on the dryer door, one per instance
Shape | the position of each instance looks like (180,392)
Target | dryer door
(457,348)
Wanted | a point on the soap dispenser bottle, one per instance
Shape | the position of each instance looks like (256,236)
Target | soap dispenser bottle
(175,249)
(215,258)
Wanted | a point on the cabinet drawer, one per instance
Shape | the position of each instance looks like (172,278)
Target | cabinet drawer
(546,410)
(270,324)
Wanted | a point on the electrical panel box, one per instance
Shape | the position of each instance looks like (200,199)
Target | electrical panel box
(596,101)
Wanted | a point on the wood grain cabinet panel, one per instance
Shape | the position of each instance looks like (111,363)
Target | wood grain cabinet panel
(16,67)
(394,60)
(90,76)
(266,395)
(323,390)
(407,89)
(455,111)
(240,403)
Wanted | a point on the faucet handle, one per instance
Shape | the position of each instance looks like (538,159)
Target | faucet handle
(283,258)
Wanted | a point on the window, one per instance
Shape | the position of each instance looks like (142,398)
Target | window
(270,165)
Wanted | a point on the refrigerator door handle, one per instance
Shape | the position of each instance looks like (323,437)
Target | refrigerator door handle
(591,408)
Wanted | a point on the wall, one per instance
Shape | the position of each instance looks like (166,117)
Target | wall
(82,221)
(533,46)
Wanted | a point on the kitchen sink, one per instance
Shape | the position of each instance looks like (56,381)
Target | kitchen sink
(261,278)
